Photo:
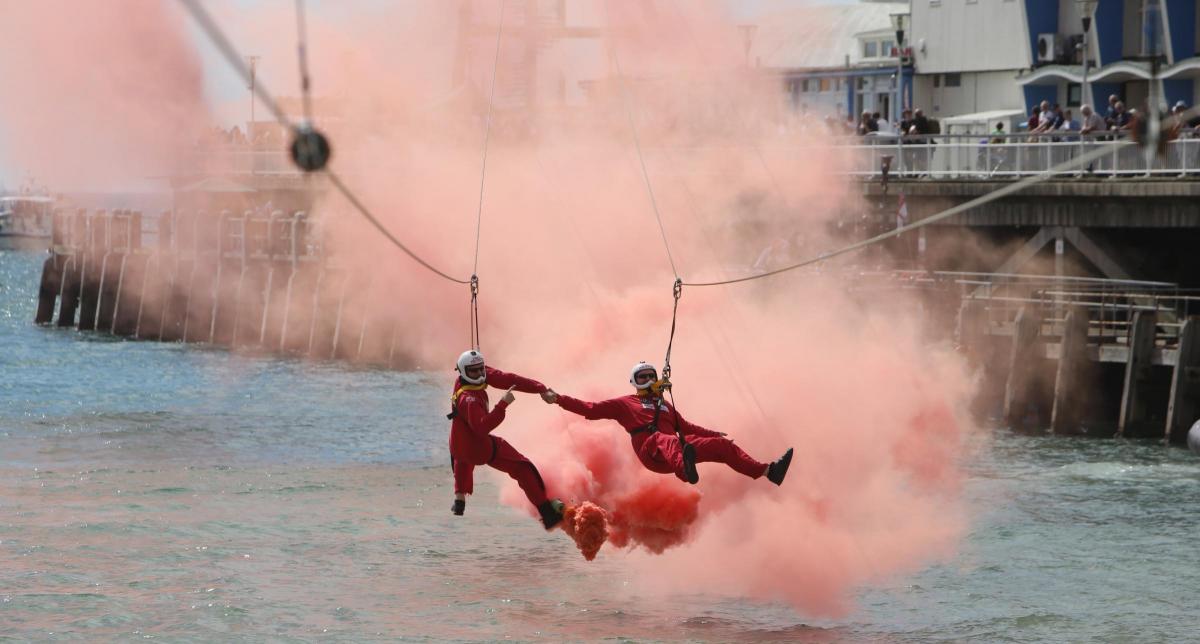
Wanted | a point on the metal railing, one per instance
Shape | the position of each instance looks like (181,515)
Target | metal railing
(1109,304)
(973,156)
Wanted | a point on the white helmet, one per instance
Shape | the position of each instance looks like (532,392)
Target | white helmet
(470,358)
(638,368)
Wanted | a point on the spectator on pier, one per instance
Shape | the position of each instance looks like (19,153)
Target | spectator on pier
(906,118)
(1092,122)
(1121,118)
(922,124)
(1046,118)
(885,127)
(867,124)
(1110,116)
(1069,123)
(998,134)
(1032,124)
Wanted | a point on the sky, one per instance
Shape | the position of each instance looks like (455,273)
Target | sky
(228,93)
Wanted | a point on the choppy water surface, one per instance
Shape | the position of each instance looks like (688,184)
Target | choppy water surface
(156,490)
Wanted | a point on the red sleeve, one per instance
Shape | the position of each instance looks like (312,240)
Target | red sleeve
(689,428)
(479,420)
(504,380)
(609,409)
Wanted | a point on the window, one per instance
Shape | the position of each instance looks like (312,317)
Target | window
(885,48)
(937,80)
(954,80)
(826,84)
(1074,94)
(870,49)
(804,85)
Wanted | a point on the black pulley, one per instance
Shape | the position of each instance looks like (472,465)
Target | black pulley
(310,149)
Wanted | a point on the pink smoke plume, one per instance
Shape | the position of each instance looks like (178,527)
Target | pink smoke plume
(99,96)
(576,282)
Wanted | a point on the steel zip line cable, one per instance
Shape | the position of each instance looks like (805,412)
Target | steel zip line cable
(231,55)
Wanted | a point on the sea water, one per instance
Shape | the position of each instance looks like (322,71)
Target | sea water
(163,491)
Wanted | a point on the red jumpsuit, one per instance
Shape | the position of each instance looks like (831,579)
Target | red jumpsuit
(472,442)
(660,450)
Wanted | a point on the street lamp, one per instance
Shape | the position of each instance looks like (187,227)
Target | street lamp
(747,39)
(900,24)
(1086,9)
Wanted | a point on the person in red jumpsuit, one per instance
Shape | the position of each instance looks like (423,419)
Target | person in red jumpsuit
(651,423)
(472,442)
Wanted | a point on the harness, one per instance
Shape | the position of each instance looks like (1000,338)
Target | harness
(458,392)
(658,403)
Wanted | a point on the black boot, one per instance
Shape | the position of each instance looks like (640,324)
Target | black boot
(552,513)
(689,464)
(460,506)
(777,470)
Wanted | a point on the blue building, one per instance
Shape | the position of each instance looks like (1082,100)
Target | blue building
(1123,38)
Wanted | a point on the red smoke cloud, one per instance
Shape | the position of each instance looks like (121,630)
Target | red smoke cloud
(576,283)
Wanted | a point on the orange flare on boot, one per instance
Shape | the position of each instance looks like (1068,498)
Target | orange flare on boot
(587,524)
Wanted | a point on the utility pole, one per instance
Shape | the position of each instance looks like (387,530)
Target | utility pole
(253,61)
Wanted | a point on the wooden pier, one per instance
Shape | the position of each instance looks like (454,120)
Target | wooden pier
(1084,356)
(241,281)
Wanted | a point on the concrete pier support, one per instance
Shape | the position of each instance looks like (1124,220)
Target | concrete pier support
(1183,407)
(1137,375)
(1022,367)
(1071,379)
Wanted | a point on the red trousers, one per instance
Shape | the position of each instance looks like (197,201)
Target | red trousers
(507,459)
(661,452)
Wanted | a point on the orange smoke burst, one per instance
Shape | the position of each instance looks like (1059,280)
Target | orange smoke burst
(587,524)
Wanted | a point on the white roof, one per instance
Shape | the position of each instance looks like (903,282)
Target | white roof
(981,116)
(819,37)
(27,198)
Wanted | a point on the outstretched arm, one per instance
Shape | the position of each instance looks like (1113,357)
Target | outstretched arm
(505,380)
(605,409)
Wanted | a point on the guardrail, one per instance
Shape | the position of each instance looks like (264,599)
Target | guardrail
(972,156)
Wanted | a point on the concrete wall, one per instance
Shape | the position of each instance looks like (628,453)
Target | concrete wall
(979,92)
(984,36)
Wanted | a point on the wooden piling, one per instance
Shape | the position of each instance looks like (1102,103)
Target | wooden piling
(1182,408)
(1137,373)
(49,288)
(89,286)
(1070,377)
(129,294)
(152,298)
(1022,367)
(68,297)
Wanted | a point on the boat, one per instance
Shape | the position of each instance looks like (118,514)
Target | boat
(26,220)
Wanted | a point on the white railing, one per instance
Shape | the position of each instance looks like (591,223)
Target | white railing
(964,156)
